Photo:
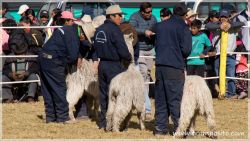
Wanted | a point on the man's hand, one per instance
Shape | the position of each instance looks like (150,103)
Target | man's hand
(22,75)
(149,33)
(202,55)
(95,67)
(225,26)
(211,54)
(82,37)
(79,63)
(14,76)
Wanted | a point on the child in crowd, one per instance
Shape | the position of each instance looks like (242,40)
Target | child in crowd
(200,47)
(241,72)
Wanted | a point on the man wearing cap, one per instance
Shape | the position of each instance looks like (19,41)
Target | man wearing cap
(232,28)
(22,9)
(44,18)
(142,21)
(173,45)
(59,51)
(110,47)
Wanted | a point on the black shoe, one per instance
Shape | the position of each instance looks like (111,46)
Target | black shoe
(159,133)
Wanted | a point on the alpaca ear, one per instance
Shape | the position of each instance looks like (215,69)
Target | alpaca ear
(131,36)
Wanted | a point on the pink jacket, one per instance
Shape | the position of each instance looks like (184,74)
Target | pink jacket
(242,63)
(4,37)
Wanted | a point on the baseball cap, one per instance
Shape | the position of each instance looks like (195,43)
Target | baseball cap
(23,8)
(213,13)
(44,14)
(224,13)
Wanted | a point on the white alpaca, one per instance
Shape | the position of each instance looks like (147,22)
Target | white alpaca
(196,100)
(126,91)
(81,82)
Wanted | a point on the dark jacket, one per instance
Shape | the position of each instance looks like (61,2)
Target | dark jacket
(86,49)
(34,39)
(173,42)
(10,65)
(141,25)
(109,43)
(63,44)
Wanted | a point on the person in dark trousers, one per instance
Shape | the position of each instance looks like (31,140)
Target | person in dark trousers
(19,69)
(110,47)
(60,50)
(173,45)
(143,21)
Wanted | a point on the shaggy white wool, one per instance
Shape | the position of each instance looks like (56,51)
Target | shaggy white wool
(196,100)
(126,92)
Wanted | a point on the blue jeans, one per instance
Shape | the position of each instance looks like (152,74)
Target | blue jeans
(230,72)
(146,92)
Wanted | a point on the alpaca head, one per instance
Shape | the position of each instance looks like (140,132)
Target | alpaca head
(129,41)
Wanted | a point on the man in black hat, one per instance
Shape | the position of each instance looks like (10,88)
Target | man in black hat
(44,18)
(173,46)
(19,69)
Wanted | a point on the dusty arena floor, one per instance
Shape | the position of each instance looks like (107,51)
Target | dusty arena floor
(25,121)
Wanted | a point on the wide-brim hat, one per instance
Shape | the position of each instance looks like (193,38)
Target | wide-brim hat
(113,9)
(98,20)
(67,15)
(89,30)
(84,19)
(190,14)
(127,28)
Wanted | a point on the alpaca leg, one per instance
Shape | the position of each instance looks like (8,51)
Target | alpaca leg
(141,117)
(96,107)
(192,125)
(121,111)
(126,122)
(184,123)
(110,113)
(71,114)
(211,124)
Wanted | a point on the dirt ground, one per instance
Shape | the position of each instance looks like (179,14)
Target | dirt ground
(26,121)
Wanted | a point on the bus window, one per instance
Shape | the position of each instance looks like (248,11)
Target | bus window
(203,10)
(241,6)
(215,6)
(76,9)
(190,5)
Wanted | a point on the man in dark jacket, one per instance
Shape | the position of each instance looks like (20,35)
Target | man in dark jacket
(111,48)
(59,51)
(34,36)
(173,46)
(19,69)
